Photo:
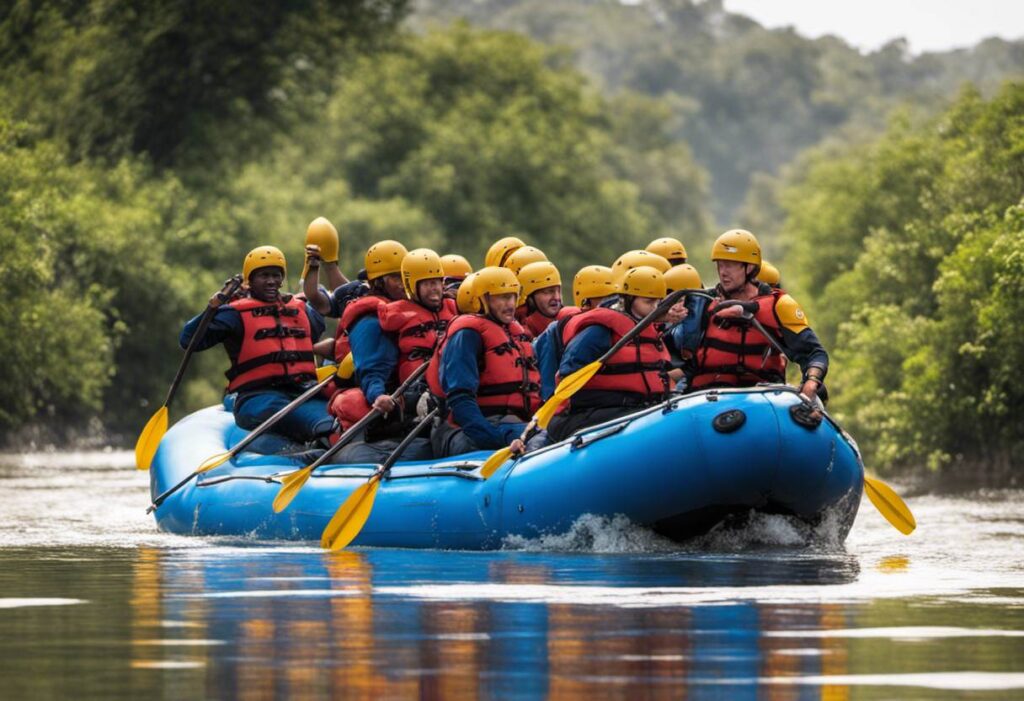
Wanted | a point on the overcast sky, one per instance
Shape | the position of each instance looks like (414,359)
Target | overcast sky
(928,25)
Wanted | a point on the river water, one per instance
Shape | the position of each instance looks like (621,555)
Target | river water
(95,603)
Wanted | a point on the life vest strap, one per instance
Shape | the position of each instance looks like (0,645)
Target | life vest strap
(280,332)
(268,359)
(628,368)
(507,388)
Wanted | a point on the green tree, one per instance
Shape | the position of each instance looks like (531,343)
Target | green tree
(189,84)
(85,252)
(912,244)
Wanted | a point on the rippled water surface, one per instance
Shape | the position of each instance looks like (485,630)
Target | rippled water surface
(95,603)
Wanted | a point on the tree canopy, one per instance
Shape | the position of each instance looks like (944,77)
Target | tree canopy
(910,248)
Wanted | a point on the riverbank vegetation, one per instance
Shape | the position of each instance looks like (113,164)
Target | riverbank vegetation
(911,247)
(145,148)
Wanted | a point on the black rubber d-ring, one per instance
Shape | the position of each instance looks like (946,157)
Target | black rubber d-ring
(729,421)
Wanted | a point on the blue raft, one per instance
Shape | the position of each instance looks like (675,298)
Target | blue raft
(678,468)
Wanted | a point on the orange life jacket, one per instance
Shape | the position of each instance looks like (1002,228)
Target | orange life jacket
(418,331)
(276,345)
(535,322)
(734,353)
(634,375)
(509,380)
(355,311)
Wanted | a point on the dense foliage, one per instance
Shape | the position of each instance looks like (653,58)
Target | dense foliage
(912,250)
(746,98)
(128,193)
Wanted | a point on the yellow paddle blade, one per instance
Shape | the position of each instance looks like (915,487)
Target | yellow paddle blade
(351,516)
(890,505)
(347,368)
(497,459)
(325,371)
(149,439)
(290,486)
(213,461)
(565,389)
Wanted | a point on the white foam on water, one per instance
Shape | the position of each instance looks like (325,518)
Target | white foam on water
(602,534)
(595,534)
(17,603)
(898,633)
(272,594)
(168,664)
(946,681)
(179,642)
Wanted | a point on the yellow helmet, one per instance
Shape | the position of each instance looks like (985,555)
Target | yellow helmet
(593,281)
(635,259)
(493,280)
(737,245)
(668,248)
(644,281)
(384,258)
(322,233)
(418,265)
(683,277)
(769,274)
(537,276)
(465,300)
(500,250)
(263,257)
(521,257)
(455,266)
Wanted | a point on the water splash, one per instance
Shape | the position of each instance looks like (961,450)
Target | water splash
(596,534)
(591,533)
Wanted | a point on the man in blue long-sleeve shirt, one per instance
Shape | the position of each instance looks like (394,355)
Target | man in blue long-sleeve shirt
(269,340)
(487,373)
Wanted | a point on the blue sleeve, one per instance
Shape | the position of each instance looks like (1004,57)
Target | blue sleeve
(547,362)
(686,334)
(226,323)
(317,325)
(342,295)
(375,356)
(460,379)
(589,345)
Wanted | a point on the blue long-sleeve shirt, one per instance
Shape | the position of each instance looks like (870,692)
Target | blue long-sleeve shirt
(686,335)
(375,356)
(545,350)
(460,380)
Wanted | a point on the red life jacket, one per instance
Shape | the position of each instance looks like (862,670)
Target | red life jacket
(276,345)
(509,380)
(736,354)
(635,375)
(535,322)
(418,331)
(355,311)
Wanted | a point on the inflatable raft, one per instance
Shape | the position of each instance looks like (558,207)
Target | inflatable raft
(678,468)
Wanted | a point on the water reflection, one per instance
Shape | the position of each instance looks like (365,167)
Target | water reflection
(310,625)
(263,623)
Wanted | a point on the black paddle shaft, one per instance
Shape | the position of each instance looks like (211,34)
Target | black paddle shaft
(348,435)
(236,282)
(279,414)
(662,307)
(416,431)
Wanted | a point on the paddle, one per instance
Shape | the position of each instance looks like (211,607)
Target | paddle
(156,427)
(291,484)
(220,458)
(324,374)
(882,496)
(353,513)
(575,382)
